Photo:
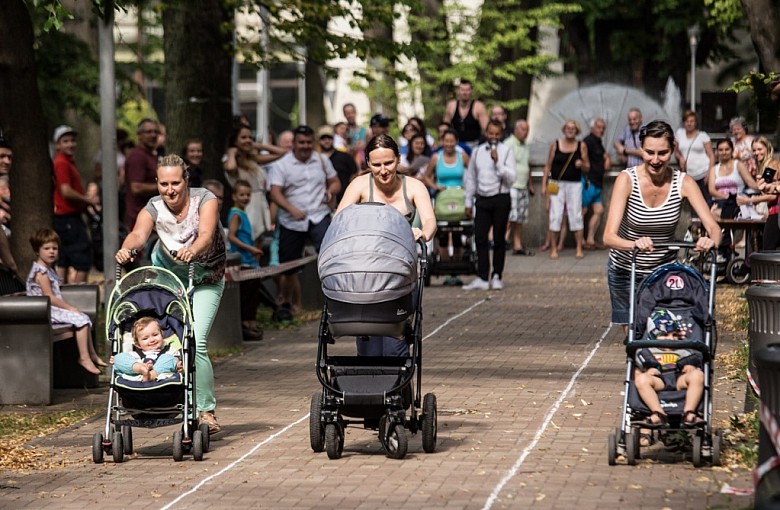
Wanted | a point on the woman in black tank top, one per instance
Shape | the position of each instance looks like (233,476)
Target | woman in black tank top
(384,184)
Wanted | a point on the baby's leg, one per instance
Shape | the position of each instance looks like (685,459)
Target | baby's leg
(647,386)
(165,363)
(693,382)
(125,363)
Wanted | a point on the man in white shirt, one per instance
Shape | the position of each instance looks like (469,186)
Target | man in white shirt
(303,183)
(487,181)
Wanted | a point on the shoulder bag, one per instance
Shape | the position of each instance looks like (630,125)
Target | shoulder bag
(552,184)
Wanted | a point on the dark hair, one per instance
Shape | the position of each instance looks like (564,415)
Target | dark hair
(464,81)
(233,138)
(450,131)
(656,129)
(43,236)
(498,124)
(411,141)
(726,141)
(419,122)
(241,183)
(190,142)
(4,143)
(382,141)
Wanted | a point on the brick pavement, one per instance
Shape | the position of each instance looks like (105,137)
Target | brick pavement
(508,437)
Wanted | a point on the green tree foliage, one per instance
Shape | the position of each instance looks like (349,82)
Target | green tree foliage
(490,47)
(641,42)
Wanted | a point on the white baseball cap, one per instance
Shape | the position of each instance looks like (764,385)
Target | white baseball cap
(61,131)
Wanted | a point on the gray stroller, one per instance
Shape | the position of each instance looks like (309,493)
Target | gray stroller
(372,278)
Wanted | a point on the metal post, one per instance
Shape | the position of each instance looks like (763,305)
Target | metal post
(108,142)
(693,41)
(302,88)
(263,121)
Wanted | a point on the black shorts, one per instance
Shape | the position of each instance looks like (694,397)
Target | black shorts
(76,247)
(292,242)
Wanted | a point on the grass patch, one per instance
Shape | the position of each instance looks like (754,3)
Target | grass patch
(18,429)
(741,435)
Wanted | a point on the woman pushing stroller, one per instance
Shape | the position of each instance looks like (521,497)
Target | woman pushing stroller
(645,209)
(187,223)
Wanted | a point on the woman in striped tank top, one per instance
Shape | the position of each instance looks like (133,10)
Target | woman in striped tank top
(645,208)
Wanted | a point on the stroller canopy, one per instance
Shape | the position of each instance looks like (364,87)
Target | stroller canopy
(368,255)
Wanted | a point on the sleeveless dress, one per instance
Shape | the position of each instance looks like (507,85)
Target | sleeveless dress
(658,223)
(58,315)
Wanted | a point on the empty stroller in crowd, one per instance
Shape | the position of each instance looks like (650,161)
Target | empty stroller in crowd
(372,280)
(158,293)
(454,235)
(679,291)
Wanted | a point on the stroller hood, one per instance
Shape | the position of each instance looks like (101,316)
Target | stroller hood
(368,255)
(672,286)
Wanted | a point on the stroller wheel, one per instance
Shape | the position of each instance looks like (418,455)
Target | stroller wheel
(178,446)
(698,445)
(97,448)
(737,272)
(396,443)
(127,439)
(429,424)
(204,430)
(117,448)
(334,441)
(316,430)
(197,445)
(612,449)
(632,448)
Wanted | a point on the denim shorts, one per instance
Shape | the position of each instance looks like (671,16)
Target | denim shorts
(619,281)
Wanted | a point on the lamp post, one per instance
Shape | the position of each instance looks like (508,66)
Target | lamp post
(693,41)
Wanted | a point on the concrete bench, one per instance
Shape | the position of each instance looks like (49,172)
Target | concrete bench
(36,356)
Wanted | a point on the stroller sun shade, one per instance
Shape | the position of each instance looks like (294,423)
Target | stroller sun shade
(368,255)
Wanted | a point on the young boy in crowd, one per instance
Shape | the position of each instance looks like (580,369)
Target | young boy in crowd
(240,241)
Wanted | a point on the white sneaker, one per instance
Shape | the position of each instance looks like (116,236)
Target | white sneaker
(496,283)
(477,284)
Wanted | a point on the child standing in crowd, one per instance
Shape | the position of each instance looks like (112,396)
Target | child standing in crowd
(152,358)
(240,238)
(43,281)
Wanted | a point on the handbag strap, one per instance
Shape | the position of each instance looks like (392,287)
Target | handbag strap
(566,166)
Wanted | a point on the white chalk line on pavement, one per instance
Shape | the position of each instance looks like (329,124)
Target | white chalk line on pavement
(547,419)
(291,425)
(234,463)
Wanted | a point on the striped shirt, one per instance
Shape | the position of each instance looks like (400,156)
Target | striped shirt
(658,223)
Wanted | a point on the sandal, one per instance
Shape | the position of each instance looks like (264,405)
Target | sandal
(661,423)
(210,419)
(646,439)
(696,421)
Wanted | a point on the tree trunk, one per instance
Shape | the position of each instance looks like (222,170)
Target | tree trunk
(434,96)
(764,17)
(198,60)
(315,93)
(382,96)
(24,127)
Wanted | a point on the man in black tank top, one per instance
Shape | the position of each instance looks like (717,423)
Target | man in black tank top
(468,117)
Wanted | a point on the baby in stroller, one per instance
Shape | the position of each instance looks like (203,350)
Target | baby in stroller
(665,369)
(152,358)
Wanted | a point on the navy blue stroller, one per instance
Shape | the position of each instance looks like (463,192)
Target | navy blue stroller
(679,291)
(152,292)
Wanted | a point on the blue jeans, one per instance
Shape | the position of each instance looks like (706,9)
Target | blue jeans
(619,282)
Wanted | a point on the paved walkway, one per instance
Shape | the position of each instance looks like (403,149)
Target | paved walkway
(528,382)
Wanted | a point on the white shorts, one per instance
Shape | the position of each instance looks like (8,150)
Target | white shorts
(570,196)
